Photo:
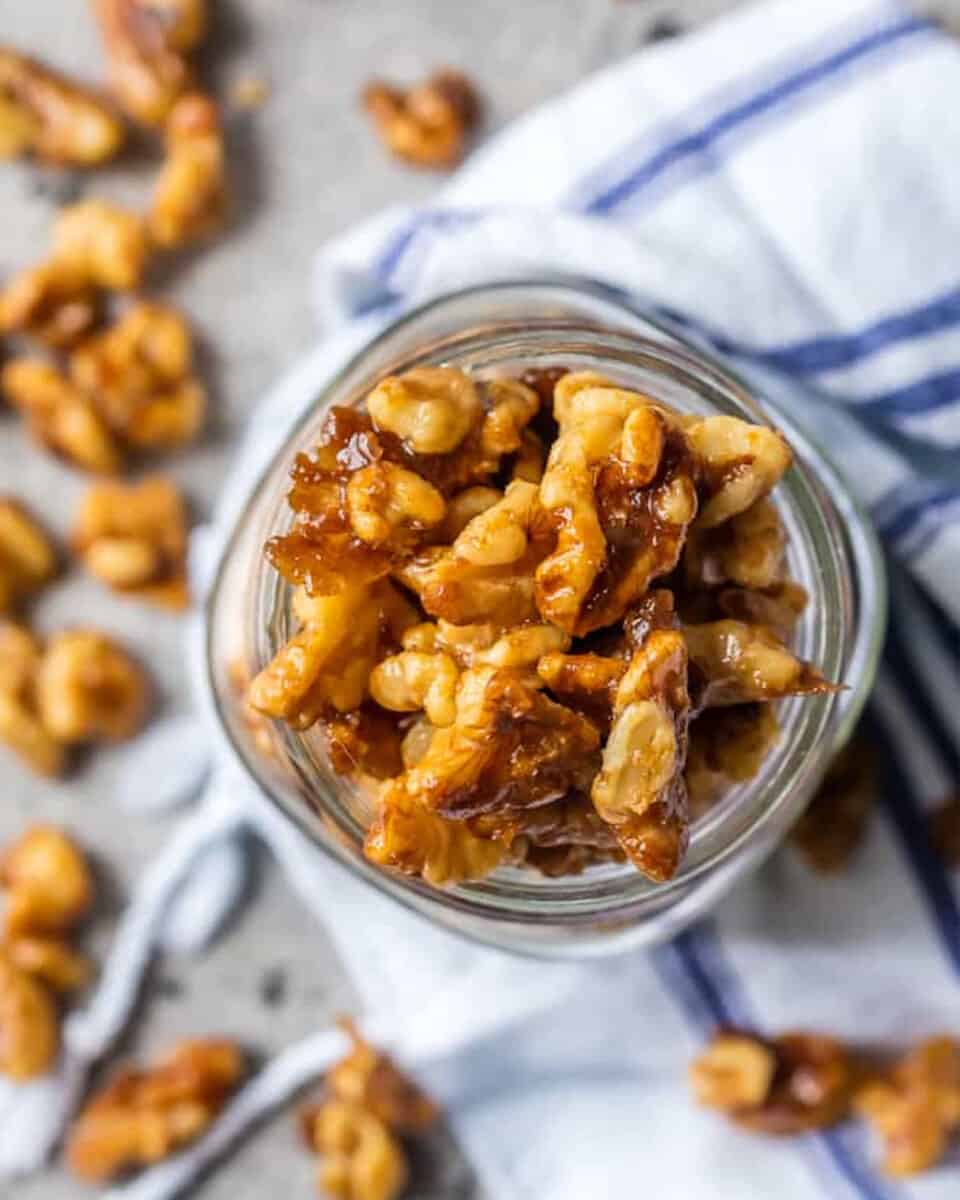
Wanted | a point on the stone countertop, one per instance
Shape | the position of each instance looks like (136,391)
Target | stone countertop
(305,166)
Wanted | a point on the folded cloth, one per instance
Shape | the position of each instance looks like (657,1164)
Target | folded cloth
(779,185)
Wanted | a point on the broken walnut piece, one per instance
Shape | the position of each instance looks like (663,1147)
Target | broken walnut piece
(360,1158)
(431,408)
(60,416)
(89,687)
(29,1031)
(48,884)
(640,787)
(103,242)
(144,1115)
(914,1108)
(786,1085)
(190,198)
(58,121)
(834,824)
(20,726)
(366,741)
(134,538)
(55,302)
(147,42)
(27,557)
(739,464)
(427,125)
(371,1079)
(51,960)
(748,550)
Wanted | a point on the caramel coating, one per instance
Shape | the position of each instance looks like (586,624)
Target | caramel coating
(134,538)
(88,687)
(27,557)
(44,114)
(371,1079)
(190,199)
(143,1116)
(48,884)
(29,1035)
(740,463)
(431,408)
(427,126)
(147,43)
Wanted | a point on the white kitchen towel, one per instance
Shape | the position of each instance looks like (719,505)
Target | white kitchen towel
(782,185)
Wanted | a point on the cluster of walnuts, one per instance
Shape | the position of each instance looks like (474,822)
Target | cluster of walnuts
(803,1081)
(357,1127)
(548,615)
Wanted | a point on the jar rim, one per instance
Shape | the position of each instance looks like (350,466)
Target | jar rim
(840,541)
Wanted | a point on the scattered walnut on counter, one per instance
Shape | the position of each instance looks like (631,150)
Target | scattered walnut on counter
(134,538)
(914,1108)
(829,833)
(21,728)
(428,125)
(190,199)
(48,884)
(147,43)
(786,1085)
(44,114)
(29,1033)
(60,416)
(144,1115)
(27,557)
(88,687)
(369,1101)
(532,650)
(54,302)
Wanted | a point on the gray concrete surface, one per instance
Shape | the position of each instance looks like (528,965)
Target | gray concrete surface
(305,166)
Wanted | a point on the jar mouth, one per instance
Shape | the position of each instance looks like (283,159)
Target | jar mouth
(832,552)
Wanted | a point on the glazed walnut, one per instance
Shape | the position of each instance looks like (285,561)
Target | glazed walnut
(505,583)
(52,118)
(371,1079)
(787,1085)
(914,1108)
(143,1116)
(429,124)
(48,884)
(21,728)
(147,43)
(27,557)
(190,199)
(139,375)
(60,416)
(88,687)
(134,538)
(29,1034)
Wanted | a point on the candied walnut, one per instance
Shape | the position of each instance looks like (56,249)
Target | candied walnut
(411,681)
(48,883)
(830,831)
(371,1079)
(53,302)
(327,665)
(147,42)
(585,682)
(915,1107)
(431,408)
(461,509)
(366,741)
(735,1071)
(429,124)
(49,116)
(139,375)
(498,535)
(143,1116)
(27,557)
(20,726)
(60,416)
(190,199)
(811,1086)
(391,506)
(512,406)
(29,1034)
(530,460)
(415,744)
(727,746)
(104,243)
(134,538)
(742,663)
(410,838)
(510,747)
(739,464)
(89,687)
(522,647)
(362,1160)
(748,550)
(945,830)
(779,608)
(640,787)
(50,960)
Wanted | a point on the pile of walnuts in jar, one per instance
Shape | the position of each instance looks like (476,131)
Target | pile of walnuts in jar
(546,617)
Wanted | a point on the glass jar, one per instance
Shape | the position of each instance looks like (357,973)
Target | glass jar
(507,328)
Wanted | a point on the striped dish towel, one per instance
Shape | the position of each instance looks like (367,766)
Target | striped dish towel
(780,185)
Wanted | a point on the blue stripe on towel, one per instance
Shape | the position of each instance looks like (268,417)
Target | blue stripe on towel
(908,518)
(699,141)
(717,990)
